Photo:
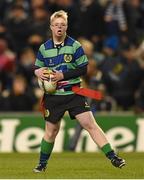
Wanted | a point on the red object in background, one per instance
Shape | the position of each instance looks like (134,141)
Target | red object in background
(7,57)
(87,92)
(6,63)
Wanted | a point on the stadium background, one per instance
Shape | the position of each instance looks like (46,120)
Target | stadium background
(112,35)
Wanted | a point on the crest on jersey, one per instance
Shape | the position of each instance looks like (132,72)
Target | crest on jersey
(46,113)
(67,57)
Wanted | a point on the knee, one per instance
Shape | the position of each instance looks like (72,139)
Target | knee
(90,126)
(51,134)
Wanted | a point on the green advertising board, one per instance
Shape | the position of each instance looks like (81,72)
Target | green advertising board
(23,132)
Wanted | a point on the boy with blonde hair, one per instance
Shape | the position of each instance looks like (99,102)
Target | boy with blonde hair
(66,58)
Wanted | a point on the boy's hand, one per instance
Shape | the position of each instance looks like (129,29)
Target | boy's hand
(57,76)
(42,73)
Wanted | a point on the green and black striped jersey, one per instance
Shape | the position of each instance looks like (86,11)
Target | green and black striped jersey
(68,56)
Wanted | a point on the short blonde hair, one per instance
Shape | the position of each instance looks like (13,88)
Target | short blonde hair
(59,14)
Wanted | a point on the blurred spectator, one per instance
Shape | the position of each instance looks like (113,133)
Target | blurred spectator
(115,18)
(139,99)
(4,34)
(140,55)
(107,104)
(91,23)
(4,6)
(110,45)
(88,47)
(26,64)
(122,77)
(94,80)
(21,98)
(35,41)
(3,99)
(139,95)
(134,13)
(23,3)
(103,2)
(7,64)
(37,4)
(40,23)
(19,26)
(50,5)
(89,50)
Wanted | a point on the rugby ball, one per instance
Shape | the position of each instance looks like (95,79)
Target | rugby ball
(48,86)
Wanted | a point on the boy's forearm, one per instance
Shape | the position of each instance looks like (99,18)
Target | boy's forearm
(75,73)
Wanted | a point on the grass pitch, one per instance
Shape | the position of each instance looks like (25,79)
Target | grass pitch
(71,166)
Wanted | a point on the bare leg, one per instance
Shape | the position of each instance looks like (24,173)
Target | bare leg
(51,131)
(88,122)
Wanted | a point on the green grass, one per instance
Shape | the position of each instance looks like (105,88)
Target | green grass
(71,166)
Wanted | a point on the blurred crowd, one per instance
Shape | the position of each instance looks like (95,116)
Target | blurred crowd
(110,31)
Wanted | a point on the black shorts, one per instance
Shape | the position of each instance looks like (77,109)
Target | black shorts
(56,105)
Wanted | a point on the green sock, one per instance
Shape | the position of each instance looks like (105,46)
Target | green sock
(106,148)
(46,150)
(46,147)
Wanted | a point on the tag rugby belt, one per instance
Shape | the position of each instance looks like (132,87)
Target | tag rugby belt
(94,94)
(97,95)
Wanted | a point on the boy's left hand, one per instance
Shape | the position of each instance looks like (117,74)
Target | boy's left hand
(57,75)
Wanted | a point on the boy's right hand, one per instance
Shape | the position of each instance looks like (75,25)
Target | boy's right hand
(42,73)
